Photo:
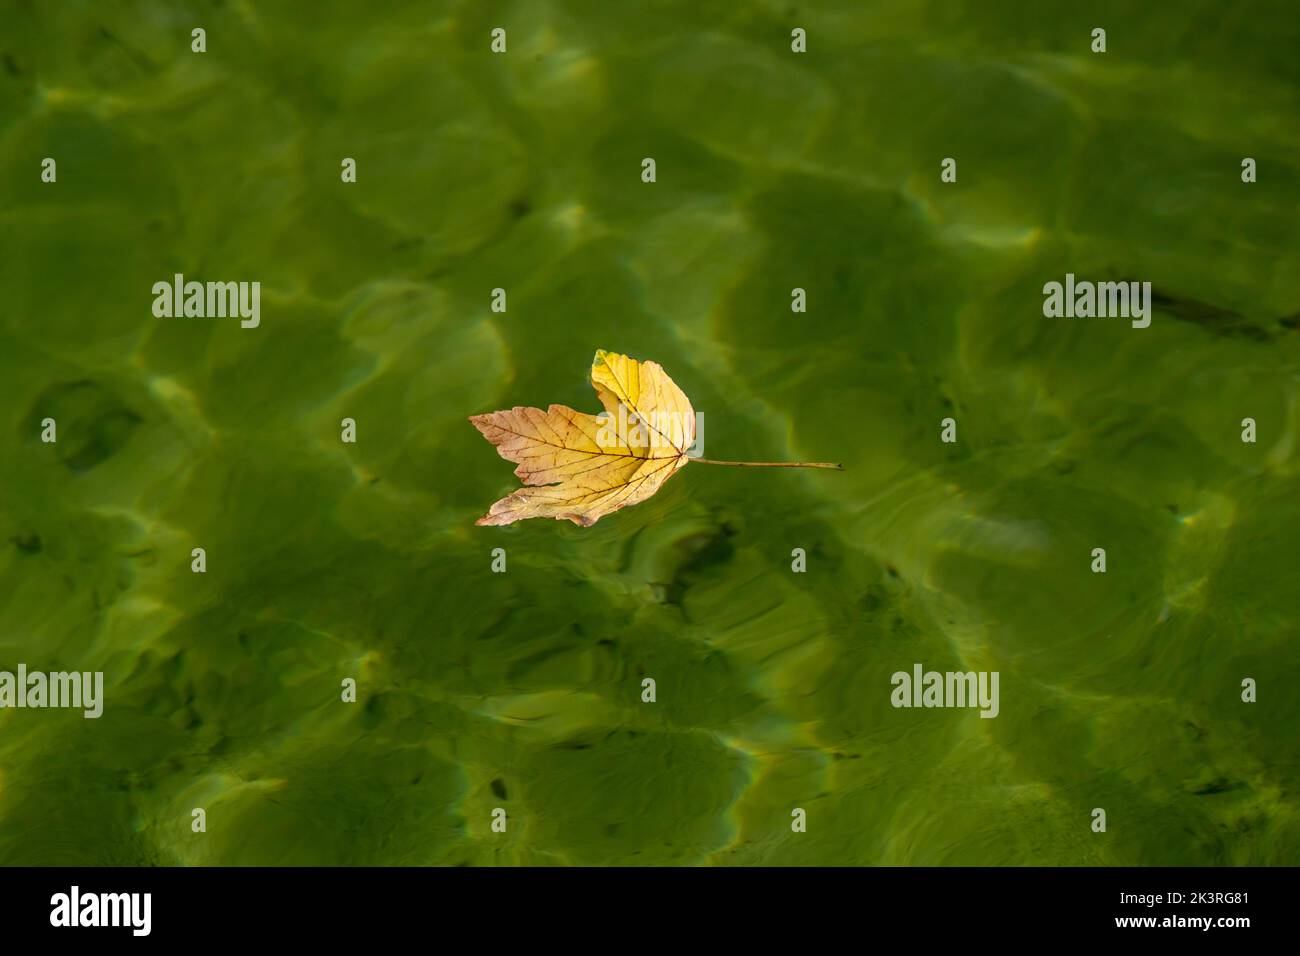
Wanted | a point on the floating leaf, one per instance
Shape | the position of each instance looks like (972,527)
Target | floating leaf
(583,467)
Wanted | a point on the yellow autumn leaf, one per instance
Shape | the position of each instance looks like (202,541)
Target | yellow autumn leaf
(583,467)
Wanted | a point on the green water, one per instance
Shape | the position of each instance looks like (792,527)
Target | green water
(522,690)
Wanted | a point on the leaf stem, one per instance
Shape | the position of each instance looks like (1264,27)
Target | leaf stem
(772,464)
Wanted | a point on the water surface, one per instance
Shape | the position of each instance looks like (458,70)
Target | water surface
(522,690)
